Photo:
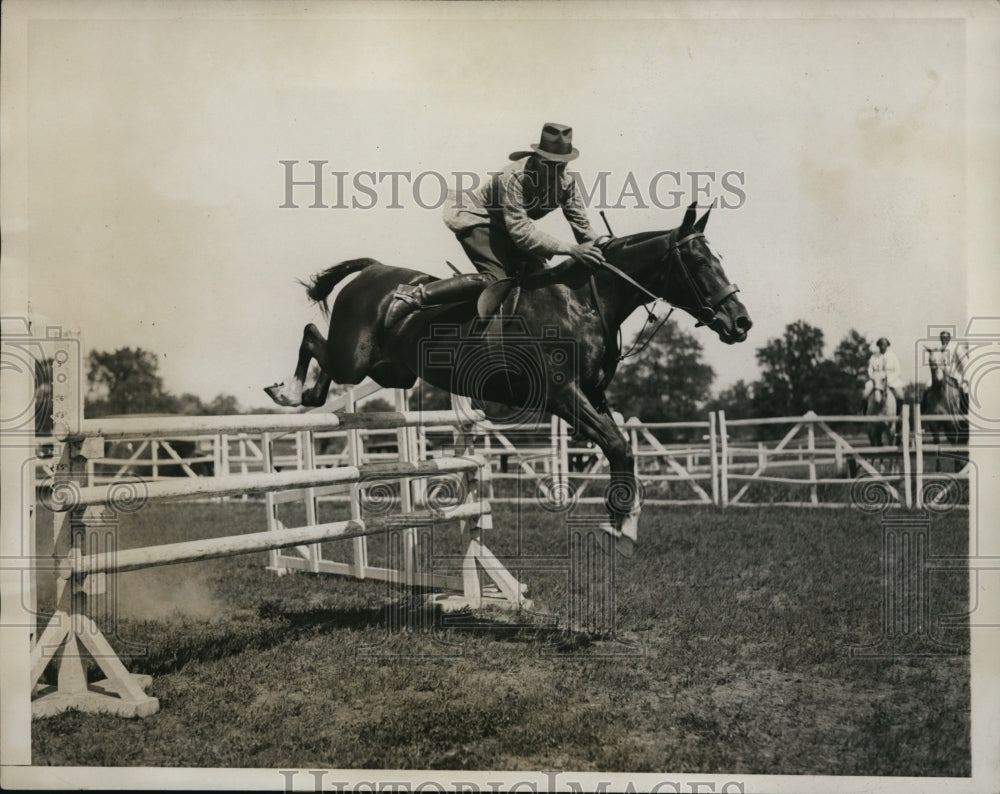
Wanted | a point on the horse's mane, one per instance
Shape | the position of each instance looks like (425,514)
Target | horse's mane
(629,240)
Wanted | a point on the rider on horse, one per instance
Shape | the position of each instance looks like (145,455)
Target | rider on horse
(883,364)
(498,232)
(955,357)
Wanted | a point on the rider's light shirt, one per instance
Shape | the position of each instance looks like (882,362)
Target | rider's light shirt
(887,364)
(513,199)
(955,356)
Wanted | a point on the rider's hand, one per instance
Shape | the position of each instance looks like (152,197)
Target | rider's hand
(587,253)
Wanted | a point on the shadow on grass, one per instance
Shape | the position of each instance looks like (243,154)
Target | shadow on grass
(181,642)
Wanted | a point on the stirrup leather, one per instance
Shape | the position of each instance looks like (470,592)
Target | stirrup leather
(410,293)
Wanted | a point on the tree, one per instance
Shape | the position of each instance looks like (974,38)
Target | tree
(375,405)
(428,397)
(736,401)
(852,354)
(667,381)
(851,367)
(223,405)
(789,367)
(126,382)
(190,405)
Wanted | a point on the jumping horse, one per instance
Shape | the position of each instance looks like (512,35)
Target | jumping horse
(556,352)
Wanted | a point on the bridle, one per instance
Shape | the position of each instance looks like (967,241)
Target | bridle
(705,311)
(707,306)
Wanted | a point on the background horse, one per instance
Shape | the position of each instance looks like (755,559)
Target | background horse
(557,352)
(944,397)
(881,402)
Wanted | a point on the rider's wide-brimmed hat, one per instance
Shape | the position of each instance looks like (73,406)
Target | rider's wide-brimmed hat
(556,143)
(882,339)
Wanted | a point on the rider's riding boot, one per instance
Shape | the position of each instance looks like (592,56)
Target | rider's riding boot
(450,290)
(456,289)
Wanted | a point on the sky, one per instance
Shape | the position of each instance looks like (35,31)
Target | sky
(154,184)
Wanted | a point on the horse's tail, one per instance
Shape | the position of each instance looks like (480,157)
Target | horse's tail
(322,284)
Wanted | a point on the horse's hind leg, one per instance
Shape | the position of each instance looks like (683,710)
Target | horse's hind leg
(290,393)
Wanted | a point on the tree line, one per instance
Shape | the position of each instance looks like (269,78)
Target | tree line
(670,381)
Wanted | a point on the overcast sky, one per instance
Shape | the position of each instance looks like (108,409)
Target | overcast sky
(154,182)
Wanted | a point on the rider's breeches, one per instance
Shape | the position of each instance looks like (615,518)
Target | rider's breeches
(494,254)
(870,385)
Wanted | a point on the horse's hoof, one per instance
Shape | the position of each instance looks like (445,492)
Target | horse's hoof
(624,545)
(279,393)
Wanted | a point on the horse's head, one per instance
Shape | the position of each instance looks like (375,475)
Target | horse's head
(935,360)
(878,395)
(694,280)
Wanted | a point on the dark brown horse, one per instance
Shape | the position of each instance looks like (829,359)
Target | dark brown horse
(557,351)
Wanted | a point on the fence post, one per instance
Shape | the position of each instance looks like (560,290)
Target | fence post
(564,482)
(918,442)
(267,460)
(724,456)
(811,446)
(224,464)
(355,455)
(410,492)
(905,444)
(559,474)
(633,438)
(713,462)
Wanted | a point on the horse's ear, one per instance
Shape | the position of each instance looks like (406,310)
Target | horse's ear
(689,217)
(703,220)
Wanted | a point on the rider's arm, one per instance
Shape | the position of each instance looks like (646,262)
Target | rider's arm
(891,364)
(575,212)
(961,356)
(871,367)
(520,227)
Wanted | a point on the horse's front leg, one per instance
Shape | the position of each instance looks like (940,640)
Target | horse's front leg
(622,495)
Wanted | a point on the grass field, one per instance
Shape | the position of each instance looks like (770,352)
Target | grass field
(731,653)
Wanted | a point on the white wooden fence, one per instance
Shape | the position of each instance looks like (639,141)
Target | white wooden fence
(810,460)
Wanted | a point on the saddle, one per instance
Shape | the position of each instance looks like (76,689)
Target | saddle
(499,299)
(498,302)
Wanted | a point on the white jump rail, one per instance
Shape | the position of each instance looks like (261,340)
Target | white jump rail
(183,426)
(86,519)
(263,482)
